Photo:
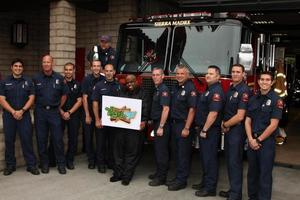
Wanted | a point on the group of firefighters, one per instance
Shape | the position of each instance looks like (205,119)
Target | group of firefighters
(176,113)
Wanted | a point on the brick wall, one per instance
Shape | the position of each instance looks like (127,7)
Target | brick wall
(58,22)
(38,34)
(91,25)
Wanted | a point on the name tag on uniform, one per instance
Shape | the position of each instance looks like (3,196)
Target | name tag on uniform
(39,84)
(8,83)
(268,103)
(75,86)
(57,81)
(182,92)
(103,89)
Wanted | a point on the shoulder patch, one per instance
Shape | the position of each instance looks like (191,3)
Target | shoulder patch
(193,93)
(245,97)
(165,94)
(216,97)
(279,104)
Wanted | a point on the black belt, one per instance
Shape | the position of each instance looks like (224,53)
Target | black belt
(50,107)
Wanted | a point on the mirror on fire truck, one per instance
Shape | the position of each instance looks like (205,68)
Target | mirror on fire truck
(246,56)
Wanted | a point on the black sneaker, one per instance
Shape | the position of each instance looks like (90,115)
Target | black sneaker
(224,194)
(125,182)
(152,176)
(91,166)
(102,169)
(70,165)
(45,169)
(61,170)
(170,181)
(157,182)
(33,170)
(9,170)
(114,179)
(176,186)
(204,193)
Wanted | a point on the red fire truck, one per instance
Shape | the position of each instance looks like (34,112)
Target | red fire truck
(197,40)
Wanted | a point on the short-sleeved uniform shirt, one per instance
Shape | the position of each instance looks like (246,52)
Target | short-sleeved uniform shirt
(88,85)
(104,87)
(16,90)
(161,97)
(49,89)
(263,108)
(237,97)
(74,88)
(211,100)
(183,97)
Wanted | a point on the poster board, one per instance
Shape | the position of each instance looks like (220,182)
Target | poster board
(121,112)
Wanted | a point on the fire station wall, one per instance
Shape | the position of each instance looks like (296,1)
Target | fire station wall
(91,25)
(38,44)
(38,37)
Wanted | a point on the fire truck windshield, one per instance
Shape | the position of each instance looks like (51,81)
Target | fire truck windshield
(202,45)
(143,48)
(196,45)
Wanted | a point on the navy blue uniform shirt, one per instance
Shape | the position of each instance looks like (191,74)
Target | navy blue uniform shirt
(104,87)
(49,89)
(88,85)
(237,98)
(74,93)
(211,100)
(161,97)
(106,56)
(16,91)
(183,98)
(263,108)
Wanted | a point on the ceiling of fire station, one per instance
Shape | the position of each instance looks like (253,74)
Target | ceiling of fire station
(281,18)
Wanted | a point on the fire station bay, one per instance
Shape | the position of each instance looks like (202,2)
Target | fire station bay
(149,99)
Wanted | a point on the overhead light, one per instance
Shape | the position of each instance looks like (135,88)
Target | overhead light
(257,14)
(279,34)
(264,22)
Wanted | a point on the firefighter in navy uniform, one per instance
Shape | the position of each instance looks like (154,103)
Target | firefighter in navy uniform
(183,105)
(128,142)
(16,97)
(108,87)
(233,127)
(103,52)
(261,124)
(51,93)
(159,115)
(87,86)
(70,113)
(208,119)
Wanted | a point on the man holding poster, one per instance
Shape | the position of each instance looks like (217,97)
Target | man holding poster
(109,86)
(128,142)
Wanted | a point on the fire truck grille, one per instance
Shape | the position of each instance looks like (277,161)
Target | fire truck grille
(148,84)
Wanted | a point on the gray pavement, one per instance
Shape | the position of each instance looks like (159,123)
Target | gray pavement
(86,184)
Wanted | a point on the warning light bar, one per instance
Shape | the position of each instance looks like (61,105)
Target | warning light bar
(179,15)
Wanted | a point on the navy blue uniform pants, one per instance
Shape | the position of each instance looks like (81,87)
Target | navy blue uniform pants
(161,149)
(45,121)
(89,130)
(104,146)
(127,152)
(72,126)
(260,166)
(209,158)
(183,148)
(234,143)
(24,128)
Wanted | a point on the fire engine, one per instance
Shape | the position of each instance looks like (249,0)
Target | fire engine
(197,39)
